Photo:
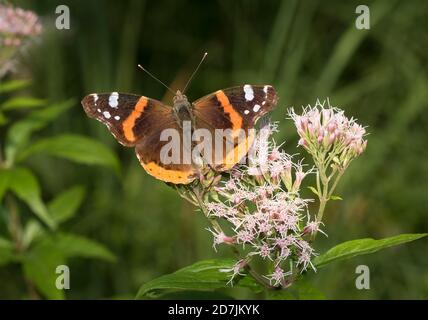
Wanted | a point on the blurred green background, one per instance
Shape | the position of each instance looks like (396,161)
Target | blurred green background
(306,49)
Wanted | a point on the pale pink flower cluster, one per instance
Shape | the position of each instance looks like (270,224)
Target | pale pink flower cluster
(325,130)
(261,202)
(17,27)
(268,164)
(17,24)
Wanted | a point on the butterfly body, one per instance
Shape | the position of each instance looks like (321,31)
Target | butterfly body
(141,122)
(182,109)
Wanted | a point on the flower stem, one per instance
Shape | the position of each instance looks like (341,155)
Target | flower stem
(321,209)
(204,210)
(323,192)
(260,279)
(336,181)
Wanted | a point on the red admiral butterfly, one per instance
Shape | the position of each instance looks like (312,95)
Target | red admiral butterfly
(138,121)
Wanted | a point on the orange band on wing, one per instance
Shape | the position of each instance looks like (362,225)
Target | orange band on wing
(129,123)
(174,176)
(235,117)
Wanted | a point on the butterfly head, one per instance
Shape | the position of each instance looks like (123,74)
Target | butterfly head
(179,98)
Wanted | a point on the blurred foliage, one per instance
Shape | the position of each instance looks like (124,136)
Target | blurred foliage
(306,49)
(36,243)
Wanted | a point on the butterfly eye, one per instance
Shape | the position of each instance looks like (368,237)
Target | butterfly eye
(180,98)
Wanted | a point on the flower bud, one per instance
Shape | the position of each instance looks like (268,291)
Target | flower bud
(302,142)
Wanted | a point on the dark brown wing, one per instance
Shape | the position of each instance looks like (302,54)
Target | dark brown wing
(139,121)
(164,155)
(235,110)
(129,117)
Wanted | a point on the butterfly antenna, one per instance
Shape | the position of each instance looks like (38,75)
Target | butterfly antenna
(194,72)
(151,75)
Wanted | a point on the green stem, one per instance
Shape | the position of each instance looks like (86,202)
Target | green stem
(322,191)
(204,210)
(336,181)
(15,229)
(256,276)
(321,209)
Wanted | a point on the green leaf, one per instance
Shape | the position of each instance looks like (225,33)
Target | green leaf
(40,268)
(32,231)
(203,275)
(76,148)
(20,132)
(71,245)
(284,294)
(5,243)
(304,290)
(3,119)
(64,206)
(334,198)
(6,251)
(6,255)
(13,85)
(24,184)
(313,190)
(195,295)
(51,251)
(4,181)
(358,247)
(22,103)
(300,290)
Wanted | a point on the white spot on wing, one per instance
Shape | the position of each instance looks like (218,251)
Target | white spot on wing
(106,114)
(256,108)
(265,89)
(249,93)
(95,96)
(116,117)
(113,100)
(246,111)
(99,110)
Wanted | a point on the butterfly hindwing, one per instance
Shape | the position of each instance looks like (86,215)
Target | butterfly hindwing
(155,155)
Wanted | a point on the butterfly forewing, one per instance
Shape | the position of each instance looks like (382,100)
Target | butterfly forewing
(129,117)
(235,109)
